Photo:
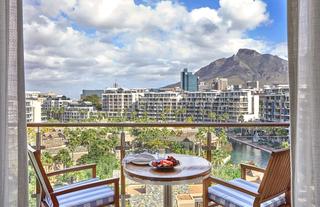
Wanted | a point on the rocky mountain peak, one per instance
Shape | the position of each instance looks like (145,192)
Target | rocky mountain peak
(247,52)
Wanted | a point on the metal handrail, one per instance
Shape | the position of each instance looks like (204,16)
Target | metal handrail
(163,124)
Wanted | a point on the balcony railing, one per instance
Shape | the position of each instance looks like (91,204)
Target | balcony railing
(208,143)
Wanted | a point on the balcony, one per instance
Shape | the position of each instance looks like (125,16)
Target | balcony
(225,145)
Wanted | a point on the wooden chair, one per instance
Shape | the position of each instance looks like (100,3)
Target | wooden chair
(92,192)
(274,189)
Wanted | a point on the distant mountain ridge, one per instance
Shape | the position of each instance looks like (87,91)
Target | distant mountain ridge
(246,65)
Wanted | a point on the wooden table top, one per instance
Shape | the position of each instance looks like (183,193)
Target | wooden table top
(191,169)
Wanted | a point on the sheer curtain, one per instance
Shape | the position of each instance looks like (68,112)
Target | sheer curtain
(13,155)
(304,72)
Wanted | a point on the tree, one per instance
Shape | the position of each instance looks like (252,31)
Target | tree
(212,116)
(241,118)
(95,100)
(63,158)
(47,160)
(285,145)
(225,117)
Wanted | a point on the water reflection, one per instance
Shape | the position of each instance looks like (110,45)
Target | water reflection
(244,153)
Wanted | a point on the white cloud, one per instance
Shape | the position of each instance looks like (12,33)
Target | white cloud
(280,50)
(93,43)
(244,14)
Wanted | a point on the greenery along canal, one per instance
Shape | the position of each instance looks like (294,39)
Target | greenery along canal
(244,153)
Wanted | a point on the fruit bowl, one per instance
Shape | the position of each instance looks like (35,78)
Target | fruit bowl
(164,164)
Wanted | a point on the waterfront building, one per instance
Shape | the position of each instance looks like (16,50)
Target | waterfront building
(275,104)
(189,81)
(200,106)
(240,105)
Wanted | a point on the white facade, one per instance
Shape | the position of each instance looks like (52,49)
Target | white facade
(118,102)
(200,106)
(33,110)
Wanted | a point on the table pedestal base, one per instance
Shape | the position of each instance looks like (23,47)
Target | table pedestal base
(167,196)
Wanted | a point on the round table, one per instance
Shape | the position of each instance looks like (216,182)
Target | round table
(192,169)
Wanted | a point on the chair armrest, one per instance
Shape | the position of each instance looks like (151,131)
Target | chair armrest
(245,167)
(76,168)
(114,181)
(230,185)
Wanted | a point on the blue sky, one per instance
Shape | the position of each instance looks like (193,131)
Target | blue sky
(276,31)
(81,44)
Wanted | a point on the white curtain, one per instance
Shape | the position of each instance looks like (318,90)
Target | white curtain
(304,72)
(13,155)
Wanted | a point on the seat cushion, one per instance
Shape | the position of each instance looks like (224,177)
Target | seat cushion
(229,197)
(90,197)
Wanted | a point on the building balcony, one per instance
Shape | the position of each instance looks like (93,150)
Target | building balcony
(76,143)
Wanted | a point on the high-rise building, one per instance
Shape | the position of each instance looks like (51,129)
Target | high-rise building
(189,81)
(220,84)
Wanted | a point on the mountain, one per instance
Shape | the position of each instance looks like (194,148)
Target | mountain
(246,65)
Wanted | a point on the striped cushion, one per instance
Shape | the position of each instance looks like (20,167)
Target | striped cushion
(229,197)
(90,197)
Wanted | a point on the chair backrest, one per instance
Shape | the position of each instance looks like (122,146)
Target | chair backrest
(277,176)
(42,177)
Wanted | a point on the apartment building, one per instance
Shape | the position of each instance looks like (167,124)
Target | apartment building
(78,111)
(275,104)
(235,104)
(33,110)
(197,105)
(119,102)
(159,105)
(240,105)
(54,106)
(55,102)
(34,101)
(220,84)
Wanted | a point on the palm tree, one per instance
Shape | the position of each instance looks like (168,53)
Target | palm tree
(241,118)
(177,113)
(200,136)
(60,111)
(212,116)
(225,117)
